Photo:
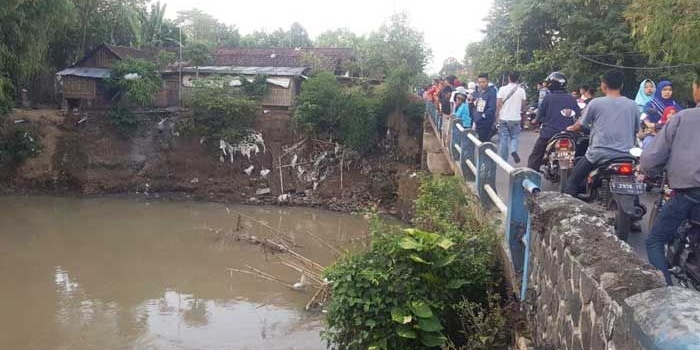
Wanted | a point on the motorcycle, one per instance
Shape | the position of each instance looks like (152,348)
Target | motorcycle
(615,187)
(561,152)
(683,252)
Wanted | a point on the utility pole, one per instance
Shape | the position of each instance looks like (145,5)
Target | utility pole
(179,66)
(517,53)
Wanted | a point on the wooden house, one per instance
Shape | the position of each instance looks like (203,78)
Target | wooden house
(83,84)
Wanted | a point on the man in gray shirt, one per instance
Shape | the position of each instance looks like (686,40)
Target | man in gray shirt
(614,122)
(675,148)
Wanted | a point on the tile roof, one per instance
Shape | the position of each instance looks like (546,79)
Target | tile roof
(331,58)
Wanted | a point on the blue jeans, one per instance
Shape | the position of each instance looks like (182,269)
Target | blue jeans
(508,132)
(672,215)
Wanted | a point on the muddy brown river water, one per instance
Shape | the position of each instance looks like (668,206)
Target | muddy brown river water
(105,273)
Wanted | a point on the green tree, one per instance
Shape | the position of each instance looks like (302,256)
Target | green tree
(342,37)
(201,27)
(136,79)
(198,54)
(221,114)
(668,30)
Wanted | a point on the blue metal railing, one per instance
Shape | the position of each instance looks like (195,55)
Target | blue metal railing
(478,162)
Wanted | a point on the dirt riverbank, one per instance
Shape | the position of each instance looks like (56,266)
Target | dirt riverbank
(277,166)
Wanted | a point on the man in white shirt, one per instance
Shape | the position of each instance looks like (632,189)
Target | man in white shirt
(511,102)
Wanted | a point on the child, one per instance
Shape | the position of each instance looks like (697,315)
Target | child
(462,110)
(668,113)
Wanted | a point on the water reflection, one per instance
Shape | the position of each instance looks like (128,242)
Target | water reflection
(118,274)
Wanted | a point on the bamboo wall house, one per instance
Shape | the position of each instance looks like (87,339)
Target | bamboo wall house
(82,85)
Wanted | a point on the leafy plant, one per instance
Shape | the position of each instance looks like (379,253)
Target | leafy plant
(16,146)
(123,120)
(138,80)
(257,88)
(7,100)
(317,107)
(484,327)
(402,292)
(220,113)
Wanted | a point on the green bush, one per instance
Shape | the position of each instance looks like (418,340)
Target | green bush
(137,79)
(123,120)
(16,146)
(255,89)
(317,106)
(220,113)
(348,115)
(7,93)
(357,120)
(404,291)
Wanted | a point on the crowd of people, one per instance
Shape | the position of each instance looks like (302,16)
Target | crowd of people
(668,133)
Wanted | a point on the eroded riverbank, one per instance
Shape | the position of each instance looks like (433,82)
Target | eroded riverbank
(112,273)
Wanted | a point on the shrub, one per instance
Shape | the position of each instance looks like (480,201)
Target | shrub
(402,293)
(357,120)
(255,89)
(7,92)
(220,113)
(123,120)
(137,79)
(16,146)
(317,107)
(350,115)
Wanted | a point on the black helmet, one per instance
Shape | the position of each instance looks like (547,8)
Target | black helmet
(556,81)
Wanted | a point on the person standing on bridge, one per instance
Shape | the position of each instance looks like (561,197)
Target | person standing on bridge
(462,109)
(511,103)
(558,111)
(675,148)
(484,108)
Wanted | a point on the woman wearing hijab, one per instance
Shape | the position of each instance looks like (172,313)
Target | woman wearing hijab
(662,99)
(645,93)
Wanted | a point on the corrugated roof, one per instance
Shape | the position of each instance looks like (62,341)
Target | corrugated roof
(252,70)
(331,58)
(86,72)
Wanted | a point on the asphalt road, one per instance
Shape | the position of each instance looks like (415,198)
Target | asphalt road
(527,141)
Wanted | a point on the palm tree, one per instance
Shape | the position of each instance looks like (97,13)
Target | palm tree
(152,25)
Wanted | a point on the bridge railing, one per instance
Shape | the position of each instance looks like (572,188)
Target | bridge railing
(476,162)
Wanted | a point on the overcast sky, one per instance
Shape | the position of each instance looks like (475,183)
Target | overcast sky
(448,25)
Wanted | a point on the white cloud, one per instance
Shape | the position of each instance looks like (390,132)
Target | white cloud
(448,25)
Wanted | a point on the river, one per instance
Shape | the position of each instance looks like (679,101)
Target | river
(106,273)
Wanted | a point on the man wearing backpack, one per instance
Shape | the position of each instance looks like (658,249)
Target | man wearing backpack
(511,102)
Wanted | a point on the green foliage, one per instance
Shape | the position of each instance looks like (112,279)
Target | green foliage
(317,105)
(255,89)
(16,146)
(197,53)
(357,120)
(165,58)
(535,37)
(667,30)
(349,115)
(123,120)
(220,113)
(7,96)
(137,79)
(402,293)
(483,326)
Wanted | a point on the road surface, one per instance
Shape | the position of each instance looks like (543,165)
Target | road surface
(527,141)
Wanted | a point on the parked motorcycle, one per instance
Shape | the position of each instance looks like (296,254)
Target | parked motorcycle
(615,187)
(562,150)
(683,253)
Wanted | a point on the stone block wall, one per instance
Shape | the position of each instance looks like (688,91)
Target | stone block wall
(580,276)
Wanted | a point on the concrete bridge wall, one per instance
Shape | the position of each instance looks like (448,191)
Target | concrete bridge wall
(588,290)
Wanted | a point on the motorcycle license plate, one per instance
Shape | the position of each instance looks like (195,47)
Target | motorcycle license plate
(563,155)
(627,186)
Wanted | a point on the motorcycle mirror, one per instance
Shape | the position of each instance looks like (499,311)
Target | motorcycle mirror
(636,152)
